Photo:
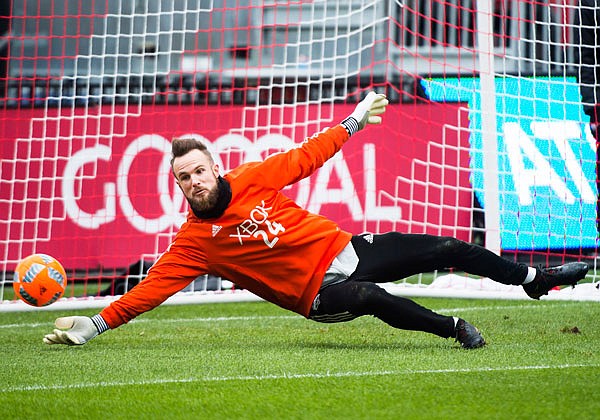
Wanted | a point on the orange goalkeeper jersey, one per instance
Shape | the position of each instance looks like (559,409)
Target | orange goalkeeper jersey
(263,242)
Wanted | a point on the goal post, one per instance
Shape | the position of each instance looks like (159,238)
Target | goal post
(485,138)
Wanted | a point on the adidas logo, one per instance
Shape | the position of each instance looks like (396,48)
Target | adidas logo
(368,237)
(216,229)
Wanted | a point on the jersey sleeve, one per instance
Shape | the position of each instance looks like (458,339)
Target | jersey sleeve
(283,169)
(172,272)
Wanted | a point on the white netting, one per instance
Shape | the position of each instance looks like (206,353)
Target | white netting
(485,140)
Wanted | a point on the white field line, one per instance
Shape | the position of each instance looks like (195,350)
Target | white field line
(447,311)
(175,320)
(325,375)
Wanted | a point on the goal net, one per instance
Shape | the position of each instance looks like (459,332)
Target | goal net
(485,139)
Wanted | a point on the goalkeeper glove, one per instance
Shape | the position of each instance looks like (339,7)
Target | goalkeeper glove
(80,330)
(367,111)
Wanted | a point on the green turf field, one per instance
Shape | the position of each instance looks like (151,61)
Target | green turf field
(256,361)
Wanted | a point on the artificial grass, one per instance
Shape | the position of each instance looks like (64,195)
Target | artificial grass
(254,360)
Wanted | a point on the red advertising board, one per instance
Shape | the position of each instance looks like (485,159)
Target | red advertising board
(92,186)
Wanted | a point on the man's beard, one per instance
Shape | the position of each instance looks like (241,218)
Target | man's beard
(207,202)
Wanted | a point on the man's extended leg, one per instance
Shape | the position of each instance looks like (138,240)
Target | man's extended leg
(392,256)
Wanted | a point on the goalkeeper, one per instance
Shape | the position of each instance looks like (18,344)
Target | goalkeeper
(242,228)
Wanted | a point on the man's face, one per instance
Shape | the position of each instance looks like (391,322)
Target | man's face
(197,177)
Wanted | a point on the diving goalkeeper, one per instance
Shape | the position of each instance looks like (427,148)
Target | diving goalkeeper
(242,228)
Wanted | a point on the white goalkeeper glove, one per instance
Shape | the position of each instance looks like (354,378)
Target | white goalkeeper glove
(368,111)
(80,330)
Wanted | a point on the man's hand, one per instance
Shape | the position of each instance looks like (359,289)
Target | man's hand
(368,111)
(80,330)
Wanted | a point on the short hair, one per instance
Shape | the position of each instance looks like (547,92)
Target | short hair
(182,146)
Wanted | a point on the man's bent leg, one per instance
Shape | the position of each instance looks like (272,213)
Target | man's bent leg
(350,299)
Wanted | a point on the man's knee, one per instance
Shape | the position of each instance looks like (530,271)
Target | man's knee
(356,297)
(448,245)
(364,297)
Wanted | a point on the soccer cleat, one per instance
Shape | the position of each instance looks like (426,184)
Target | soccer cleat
(547,278)
(468,335)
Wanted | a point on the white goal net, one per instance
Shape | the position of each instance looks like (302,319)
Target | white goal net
(486,138)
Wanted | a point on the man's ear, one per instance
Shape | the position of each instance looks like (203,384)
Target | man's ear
(176,180)
(216,170)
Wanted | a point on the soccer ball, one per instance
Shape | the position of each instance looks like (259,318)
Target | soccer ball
(39,280)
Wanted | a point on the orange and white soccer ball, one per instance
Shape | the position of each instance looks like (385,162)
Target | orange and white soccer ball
(39,280)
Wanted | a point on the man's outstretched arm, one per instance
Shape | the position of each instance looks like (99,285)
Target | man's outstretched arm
(172,272)
(301,162)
